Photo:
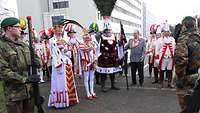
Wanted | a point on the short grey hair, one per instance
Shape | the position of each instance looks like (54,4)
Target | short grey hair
(136,31)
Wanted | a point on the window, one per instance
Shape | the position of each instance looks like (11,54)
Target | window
(138,2)
(127,12)
(125,22)
(63,4)
(56,19)
(132,5)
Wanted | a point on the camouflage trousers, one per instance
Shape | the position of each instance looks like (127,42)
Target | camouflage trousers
(181,96)
(23,106)
(186,90)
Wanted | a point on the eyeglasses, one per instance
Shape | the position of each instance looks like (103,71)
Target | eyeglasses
(16,26)
(58,26)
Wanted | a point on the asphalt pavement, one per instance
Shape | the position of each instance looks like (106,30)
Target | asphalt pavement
(146,99)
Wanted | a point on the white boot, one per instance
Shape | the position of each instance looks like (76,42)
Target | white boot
(40,72)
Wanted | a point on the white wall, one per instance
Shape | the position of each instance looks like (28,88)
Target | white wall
(32,8)
(117,14)
(129,8)
(8,8)
(85,12)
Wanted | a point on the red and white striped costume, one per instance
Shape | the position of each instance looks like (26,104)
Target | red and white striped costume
(87,57)
(39,49)
(87,62)
(45,35)
(151,44)
(165,48)
(72,45)
(46,54)
(63,90)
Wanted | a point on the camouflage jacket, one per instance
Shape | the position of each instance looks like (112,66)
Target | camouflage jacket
(187,54)
(14,67)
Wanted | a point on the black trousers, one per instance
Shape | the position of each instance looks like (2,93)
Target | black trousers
(23,106)
(47,71)
(97,76)
(156,73)
(150,69)
(137,66)
(104,77)
(168,75)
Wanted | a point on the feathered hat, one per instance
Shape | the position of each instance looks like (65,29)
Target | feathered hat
(165,27)
(45,34)
(70,29)
(153,29)
(93,28)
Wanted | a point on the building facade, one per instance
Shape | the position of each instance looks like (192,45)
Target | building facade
(46,13)
(144,19)
(129,12)
(34,8)
(150,19)
(8,8)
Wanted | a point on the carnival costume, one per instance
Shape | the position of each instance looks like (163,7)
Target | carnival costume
(63,90)
(87,58)
(165,48)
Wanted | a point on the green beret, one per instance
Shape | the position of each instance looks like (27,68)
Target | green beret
(9,22)
(93,28)
(188,18)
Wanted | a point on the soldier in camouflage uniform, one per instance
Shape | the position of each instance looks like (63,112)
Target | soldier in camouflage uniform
(14,68)
(187,59)
(198,25)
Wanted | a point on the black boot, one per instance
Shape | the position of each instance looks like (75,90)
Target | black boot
(103,79)
(162,78)
(103,88)
(112,78)
(150,70)
(169,75)
(97,78)
(155,75)
(155,82)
